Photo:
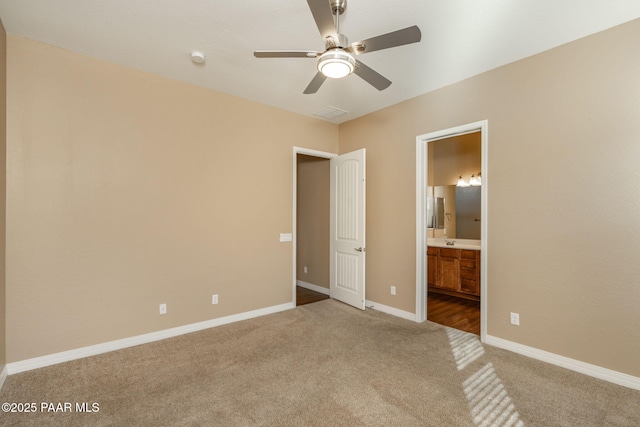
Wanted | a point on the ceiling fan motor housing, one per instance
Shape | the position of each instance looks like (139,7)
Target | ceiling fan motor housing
(342,42)
(338,6)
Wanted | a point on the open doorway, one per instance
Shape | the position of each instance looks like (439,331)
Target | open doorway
(439,250)
(346,232)
(311,226)
(454,180)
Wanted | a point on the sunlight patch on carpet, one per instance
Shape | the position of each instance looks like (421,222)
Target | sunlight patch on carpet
(466,347)
(488,399)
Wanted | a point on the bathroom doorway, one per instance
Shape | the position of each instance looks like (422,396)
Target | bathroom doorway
(451,221)
(454,180)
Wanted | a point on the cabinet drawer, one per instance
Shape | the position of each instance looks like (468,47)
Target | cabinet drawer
(468,273)
(449,253)
(468,254)
(432,250)
(468,263)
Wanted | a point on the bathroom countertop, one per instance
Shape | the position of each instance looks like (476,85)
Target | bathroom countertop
(458,243)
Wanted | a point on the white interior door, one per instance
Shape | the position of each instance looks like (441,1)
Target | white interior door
(347,227)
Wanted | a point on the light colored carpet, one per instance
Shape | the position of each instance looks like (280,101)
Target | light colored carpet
(322,364)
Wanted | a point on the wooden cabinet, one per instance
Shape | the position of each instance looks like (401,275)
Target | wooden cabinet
(448,269)
(432,259)
(470,272)
(454,271)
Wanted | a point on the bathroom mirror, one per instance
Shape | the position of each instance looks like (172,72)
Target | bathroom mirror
(454,212)
(435,212)
(468,202)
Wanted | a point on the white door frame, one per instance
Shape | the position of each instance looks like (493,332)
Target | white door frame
(421,216)
(308,152)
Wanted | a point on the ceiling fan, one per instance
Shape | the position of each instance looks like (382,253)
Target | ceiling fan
(337,60)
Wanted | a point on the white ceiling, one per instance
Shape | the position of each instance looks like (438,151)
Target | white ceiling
(460,38)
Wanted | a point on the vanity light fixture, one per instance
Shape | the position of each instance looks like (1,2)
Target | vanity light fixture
(476,180)
(461,182)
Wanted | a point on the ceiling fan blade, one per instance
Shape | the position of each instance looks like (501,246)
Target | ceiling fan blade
(315,84)
(372,77)
(323,16)
(285,54)
(396,38)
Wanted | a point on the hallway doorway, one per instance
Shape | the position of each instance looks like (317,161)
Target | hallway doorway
(311,225)
(307,296)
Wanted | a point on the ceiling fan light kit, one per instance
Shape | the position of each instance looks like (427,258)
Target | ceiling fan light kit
(336,64)
(337,60)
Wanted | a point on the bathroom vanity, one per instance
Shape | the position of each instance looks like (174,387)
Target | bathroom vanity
(453,267)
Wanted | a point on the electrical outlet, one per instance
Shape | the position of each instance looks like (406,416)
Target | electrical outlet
(393,290)
(163,308)
(305,269)
(515,319)
(214,299)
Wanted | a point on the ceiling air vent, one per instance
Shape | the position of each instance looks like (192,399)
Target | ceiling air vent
(330,113)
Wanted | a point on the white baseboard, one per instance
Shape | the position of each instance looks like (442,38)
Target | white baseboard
(65,356)
(3,376)
(313,287)
(79,353)
(391,310)
(565,362)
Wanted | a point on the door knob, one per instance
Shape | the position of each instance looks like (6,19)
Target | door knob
(361,249)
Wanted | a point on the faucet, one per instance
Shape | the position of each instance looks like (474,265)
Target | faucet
(450,242)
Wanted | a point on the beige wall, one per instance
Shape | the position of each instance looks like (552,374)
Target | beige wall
(126,190)
(454,157)
(563,195)
(3,186)
(313,221)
